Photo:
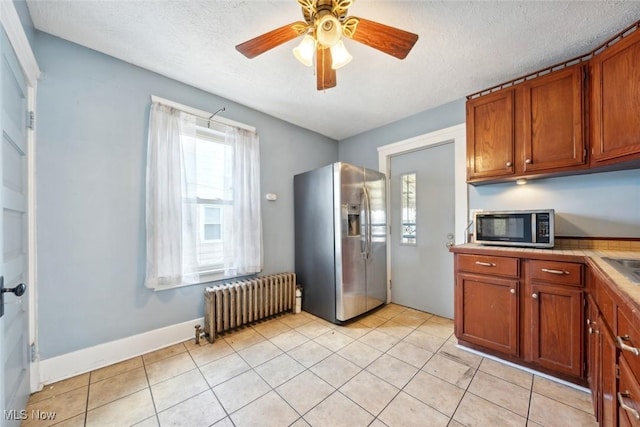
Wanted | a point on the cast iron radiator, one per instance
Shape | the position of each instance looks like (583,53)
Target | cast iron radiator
(236,304)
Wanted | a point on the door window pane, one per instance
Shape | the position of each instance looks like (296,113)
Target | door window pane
(408,208)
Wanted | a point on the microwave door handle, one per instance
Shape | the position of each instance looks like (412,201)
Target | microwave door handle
(534,228)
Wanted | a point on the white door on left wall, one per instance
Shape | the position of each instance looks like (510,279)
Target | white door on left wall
(14,324)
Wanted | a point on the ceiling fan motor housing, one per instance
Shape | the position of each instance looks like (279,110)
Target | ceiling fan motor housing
(328,30)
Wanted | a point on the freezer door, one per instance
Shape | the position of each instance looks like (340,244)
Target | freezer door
(376,260)
(350,238)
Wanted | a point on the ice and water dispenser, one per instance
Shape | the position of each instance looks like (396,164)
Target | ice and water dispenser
(353,219)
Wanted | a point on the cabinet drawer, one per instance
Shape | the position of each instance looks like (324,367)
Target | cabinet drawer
(564,273)
(628,340)
(628,396)
(493,265)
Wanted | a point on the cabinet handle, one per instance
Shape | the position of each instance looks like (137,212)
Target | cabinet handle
(528,161)
(623,346)
(513,291)
(626,407)
(534,296)
(485,264)
(509,164)
(559,272)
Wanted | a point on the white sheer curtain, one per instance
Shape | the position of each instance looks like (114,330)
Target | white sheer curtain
(173,231)
(171,199)
(243,233)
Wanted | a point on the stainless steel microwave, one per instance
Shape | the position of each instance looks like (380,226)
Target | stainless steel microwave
(530,228)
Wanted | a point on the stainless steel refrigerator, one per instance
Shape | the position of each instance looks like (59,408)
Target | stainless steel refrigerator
(340,240)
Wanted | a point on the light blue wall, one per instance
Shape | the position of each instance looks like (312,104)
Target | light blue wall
(595,205)
(91,152)
(362,149)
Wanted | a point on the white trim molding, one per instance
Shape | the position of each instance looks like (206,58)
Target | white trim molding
(13,27)
(11,24)
(457,134)
(88,359)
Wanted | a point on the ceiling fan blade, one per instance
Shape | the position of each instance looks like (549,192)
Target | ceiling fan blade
(389,40)
(256,46)
(325,75)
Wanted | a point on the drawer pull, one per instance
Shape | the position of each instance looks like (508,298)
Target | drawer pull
(626,407)
(623,346)
(513,291)
(486,264)
(558,272)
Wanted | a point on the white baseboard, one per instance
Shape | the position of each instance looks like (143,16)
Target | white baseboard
(85,360)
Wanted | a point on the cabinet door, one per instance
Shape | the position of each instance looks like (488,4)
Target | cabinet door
(593,356)
(609,413)
(556,328)
(614,102)
(490,135)
(487,312)
(552,121)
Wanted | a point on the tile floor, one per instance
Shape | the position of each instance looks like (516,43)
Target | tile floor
(397,366)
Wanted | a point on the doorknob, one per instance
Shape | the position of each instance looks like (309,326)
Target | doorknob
(18,290)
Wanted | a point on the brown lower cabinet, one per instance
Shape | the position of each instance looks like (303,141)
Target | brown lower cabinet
(527,311)
(561,315)
(613,337)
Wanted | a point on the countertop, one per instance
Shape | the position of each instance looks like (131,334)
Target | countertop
(591,256)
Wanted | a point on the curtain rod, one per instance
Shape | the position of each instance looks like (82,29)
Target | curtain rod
(205,115)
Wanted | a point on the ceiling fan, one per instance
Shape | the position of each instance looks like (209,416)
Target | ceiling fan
(325,22)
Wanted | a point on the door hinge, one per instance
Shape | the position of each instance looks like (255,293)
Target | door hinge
(34,352)
(586,153)
(617,371)
(31,118)
(390,284)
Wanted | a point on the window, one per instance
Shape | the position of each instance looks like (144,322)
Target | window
(203,199)
(408,209)
(214,190)
(210,223)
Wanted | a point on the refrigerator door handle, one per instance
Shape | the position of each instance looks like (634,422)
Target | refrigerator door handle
(368,225)
(363,229)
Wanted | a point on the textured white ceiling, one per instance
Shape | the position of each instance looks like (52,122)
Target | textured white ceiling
(463,47)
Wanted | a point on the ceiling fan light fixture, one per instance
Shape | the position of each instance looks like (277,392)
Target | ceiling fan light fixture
(340,55)
(305,50)
(328,30)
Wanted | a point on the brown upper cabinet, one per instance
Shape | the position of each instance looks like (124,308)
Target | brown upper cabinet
(490,136)
(551,115)
(531,128)
(615,102)
(537,126)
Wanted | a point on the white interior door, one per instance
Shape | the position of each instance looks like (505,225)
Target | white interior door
(422,227)
(14,324)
